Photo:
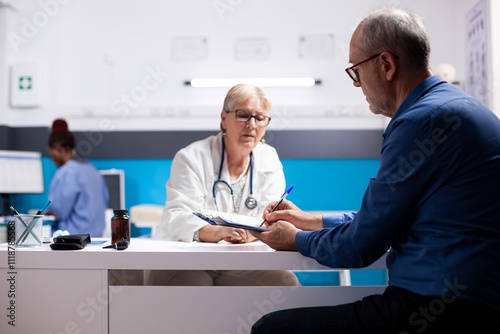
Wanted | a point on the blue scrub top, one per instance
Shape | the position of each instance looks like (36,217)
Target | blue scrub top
(79,198)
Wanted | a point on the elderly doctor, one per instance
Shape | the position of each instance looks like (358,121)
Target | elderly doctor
(233,172)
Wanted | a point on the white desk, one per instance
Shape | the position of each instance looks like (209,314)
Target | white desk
(75,291)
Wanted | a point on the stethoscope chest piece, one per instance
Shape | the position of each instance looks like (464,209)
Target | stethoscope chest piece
(251,203)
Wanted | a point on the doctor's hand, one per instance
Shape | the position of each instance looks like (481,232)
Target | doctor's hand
(291,213)
(238,235)
(210,233)
(280,237)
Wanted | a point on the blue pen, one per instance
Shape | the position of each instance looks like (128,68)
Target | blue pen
(44,208)
(285,194)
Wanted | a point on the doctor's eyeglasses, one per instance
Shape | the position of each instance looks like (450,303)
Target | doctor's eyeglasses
(245,116)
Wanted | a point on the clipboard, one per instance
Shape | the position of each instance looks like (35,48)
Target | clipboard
(218,220)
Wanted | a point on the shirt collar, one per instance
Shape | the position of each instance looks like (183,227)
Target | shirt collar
(416,94)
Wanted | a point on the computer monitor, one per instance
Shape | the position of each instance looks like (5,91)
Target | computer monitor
(20,173)
(115,180)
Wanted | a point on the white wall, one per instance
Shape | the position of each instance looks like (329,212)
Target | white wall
(93,52)
(495,54)
(4,119)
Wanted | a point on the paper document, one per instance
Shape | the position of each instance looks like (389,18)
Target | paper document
(231,220)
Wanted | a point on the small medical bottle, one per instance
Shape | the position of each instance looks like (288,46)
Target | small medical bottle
(120,226)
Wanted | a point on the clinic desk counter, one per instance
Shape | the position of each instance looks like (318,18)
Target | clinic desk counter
(79,292)
(156,254)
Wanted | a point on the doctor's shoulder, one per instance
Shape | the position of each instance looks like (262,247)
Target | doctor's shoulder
(194,153)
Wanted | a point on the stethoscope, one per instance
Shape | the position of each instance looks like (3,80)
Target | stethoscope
(250,202)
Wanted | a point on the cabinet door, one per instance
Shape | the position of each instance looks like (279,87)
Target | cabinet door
(54,301)
(214,309)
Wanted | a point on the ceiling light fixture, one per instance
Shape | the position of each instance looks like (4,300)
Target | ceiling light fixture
(264,82)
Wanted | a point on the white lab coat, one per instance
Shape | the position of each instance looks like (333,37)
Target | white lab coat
(194,170)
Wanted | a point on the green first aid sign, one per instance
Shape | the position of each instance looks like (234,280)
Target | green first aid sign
(25,82)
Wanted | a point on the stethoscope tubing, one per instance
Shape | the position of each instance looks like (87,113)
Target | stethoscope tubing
(219,180)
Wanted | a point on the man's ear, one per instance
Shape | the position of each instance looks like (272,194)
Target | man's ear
(390,66)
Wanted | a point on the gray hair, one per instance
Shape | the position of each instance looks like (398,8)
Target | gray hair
(242,93)
(397,31)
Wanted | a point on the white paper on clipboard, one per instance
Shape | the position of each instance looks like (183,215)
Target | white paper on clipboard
(231,220)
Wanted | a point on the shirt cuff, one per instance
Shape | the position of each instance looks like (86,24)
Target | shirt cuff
(330,221)
(301,242)
(303,238)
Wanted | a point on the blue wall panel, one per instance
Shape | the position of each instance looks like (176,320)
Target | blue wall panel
(320,184)
(328,184)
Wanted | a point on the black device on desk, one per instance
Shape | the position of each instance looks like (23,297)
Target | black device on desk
(119,245)
(70,242)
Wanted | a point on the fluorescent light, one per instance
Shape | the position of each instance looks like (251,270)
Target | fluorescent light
(264,82)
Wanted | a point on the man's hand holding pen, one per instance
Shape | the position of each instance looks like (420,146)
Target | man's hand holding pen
(283,222)
(291,213)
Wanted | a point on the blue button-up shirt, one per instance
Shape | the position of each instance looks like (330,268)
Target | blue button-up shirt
(435,201)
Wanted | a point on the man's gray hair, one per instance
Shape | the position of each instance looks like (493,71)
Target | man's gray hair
(397,31)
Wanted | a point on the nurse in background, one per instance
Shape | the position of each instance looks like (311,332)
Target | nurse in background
(233,172)
(78,192)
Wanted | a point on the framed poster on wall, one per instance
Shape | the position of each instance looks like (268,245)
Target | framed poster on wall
(478,82)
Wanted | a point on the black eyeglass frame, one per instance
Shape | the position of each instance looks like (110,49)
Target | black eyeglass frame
(354,74)
(266,119)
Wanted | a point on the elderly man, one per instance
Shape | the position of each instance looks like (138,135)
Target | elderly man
(434,203)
